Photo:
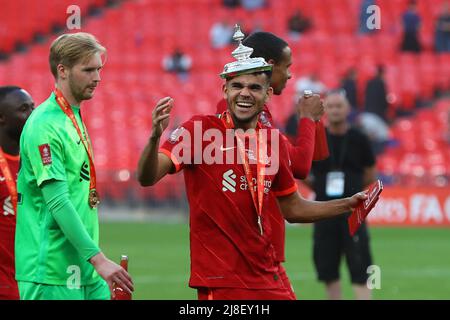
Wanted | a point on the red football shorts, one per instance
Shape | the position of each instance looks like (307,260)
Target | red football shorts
(9,292)
(243,294)
(285,293)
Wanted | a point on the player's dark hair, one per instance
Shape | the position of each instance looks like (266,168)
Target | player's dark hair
(5,90)
(265,45)
(268,74)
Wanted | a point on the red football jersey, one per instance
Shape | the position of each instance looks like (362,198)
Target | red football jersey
(300,158)
(227,248)
(8,285)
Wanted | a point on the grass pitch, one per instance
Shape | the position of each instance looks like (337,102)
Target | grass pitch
(414,262)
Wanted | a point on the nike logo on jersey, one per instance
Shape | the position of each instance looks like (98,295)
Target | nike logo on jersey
(2,179)
(225,149)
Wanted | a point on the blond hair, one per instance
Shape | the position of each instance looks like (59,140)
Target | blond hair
(69,49)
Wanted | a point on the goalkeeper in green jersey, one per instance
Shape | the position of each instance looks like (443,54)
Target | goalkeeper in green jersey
(56,245)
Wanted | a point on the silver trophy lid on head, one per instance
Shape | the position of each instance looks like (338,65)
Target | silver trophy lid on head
(244,64)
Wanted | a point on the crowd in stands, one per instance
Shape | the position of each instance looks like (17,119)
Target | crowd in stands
(396,71)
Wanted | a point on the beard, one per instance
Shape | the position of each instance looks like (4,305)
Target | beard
(77,91)
(244,119)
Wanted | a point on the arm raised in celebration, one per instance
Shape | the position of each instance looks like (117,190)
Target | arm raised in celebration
(153,166)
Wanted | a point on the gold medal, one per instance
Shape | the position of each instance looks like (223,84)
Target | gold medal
(94,199)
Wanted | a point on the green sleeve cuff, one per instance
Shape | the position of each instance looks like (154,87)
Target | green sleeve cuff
(56,196)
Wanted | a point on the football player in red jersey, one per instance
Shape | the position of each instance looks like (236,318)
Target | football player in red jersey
(277,52)
(232,255)
(15,107)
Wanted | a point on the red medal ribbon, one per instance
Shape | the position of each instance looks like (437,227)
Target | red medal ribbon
(10,183)
(258,194)
(65,107)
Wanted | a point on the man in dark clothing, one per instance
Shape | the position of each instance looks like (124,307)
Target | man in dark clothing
(411,26)
(348,83)
(442,30)
(351,166)
(375,97)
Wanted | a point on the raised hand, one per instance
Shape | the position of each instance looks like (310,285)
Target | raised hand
(310,107)
(160,116)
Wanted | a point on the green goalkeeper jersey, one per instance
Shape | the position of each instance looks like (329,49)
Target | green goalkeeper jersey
(51,149)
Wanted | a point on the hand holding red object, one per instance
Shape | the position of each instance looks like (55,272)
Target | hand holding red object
(363,209)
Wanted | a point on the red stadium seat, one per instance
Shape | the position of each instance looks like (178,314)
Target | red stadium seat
(138,34)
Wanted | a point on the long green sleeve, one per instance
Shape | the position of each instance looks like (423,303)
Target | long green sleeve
(56,195)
